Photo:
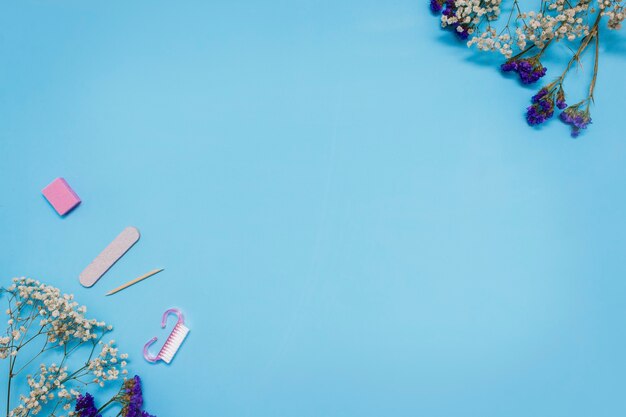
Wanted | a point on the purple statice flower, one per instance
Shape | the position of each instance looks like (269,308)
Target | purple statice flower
(542,108)
(560,99)
(529,70)
(576,118)
(85,406)
(436,6)
(132,399)
(540,95)
(449,9)
(509,66)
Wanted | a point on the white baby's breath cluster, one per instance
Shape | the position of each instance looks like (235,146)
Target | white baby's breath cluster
(490,41)
(45,320)
(524,36)
(471,13)
(108,364)
(5,348)
(552,20)
(45,386)
(561,20)
(59,315)
(614,10)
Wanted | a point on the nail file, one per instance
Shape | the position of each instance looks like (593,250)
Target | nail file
(116,249)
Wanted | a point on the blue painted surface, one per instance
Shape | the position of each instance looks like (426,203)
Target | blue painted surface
(349,208)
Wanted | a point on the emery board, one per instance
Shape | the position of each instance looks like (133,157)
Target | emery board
(114,251)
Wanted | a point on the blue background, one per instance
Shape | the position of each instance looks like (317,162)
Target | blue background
(348,206)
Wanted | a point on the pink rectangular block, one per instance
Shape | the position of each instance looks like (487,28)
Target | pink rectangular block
(61,196)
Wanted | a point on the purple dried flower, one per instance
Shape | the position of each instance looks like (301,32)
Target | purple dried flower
(436,6)
(85,406)
(509,66)
(576,118)
(529,70)
(541,94)
(536,115)
(448,8)
(132,398)
(560,99)
(542,108)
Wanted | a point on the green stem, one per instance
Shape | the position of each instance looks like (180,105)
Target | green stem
(583,46)
(108,403)
(521,53)
(9,383)
(592,86)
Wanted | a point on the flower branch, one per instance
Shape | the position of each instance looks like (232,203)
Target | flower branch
(525,32)
(38,312)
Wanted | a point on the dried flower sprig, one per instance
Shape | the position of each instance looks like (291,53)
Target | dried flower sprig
(529,35)
(42,319)
(130,397)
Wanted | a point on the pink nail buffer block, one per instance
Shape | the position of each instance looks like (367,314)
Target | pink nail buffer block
(61,196)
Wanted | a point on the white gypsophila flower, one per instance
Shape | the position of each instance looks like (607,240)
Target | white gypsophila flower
(491,41)
(614,10)
(558,20)
(471,12)
(62,327)
(524,36)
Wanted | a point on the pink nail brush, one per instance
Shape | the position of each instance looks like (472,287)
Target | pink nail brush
(173,342)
